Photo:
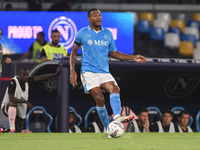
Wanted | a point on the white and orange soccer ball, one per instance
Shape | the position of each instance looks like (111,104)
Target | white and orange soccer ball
(115,129)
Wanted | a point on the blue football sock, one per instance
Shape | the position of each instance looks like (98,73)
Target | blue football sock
(115,103)
(102,112)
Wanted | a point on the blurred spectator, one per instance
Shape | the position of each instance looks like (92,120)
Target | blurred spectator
(166,125)
(72,119)
(184,118)
(64,5)
(35,48)
(34,5)
(53,51)
(141,124)
(8,7)
(97,125)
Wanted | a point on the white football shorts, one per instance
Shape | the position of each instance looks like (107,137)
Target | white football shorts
(91,80)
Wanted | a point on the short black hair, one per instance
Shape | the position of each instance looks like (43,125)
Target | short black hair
(184,112)
(91,11)
(142,109)
(41,33)
(55,31)
(167,110)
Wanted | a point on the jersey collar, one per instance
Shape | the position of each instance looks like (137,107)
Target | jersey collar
(102,28)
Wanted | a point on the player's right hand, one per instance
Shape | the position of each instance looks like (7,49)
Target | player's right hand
(73,78)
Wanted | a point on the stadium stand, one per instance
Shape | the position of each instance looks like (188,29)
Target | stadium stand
(179,24)
(147,16)
(193,31)
(164,16)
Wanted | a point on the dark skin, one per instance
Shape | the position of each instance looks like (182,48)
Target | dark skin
(23,77)
(95,19)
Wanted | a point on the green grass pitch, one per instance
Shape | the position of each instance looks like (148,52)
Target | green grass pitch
(99,141)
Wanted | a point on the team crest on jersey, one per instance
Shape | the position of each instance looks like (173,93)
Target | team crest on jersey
(105,37)
(90,42)
(67,29)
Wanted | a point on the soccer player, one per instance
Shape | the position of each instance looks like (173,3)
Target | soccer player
(97,43)
(53,51)
(15,101)
(184,118)
(141,124)
(166,125)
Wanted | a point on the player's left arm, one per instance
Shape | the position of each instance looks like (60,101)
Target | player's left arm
(121,56)
(46,76)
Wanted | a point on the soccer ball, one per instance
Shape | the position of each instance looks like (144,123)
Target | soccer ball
(115,129)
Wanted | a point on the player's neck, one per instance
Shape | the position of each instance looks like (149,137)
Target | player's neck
(95,28)
(183,127)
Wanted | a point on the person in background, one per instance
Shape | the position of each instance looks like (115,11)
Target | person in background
(96,126)
(8,7)
(34,5)
(2,60)
(53,51)
(72,119)
(15,101)
(184,118)
(166,125)
(64,5)
(35,48)
(141,124)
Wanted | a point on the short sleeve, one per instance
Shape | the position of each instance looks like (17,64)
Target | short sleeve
(112,46)
(78,38)
(12,87)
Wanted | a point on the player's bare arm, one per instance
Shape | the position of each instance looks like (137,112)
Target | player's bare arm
(122,56)
(73,75)
(16,100)
(46,76)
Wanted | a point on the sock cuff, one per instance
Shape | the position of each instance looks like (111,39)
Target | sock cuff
(114,94)
(100,107)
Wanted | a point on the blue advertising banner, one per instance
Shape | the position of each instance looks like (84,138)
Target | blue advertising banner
(20,28)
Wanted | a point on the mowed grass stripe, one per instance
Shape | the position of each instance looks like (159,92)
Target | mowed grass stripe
(98,141)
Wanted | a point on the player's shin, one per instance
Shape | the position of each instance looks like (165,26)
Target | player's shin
(103,114)
(115,103)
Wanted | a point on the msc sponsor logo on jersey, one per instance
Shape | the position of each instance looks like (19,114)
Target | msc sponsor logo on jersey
(181,85)
(98,42)
(67,29)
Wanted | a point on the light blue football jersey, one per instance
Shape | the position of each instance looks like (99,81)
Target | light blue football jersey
(95,49)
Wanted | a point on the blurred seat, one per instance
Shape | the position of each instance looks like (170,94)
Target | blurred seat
(89,116)
(189,37)
(193,23)
(147,16)
(175,30)
(161,23)
(178,23)
(196,54)
(157,34)
(142,37)
(192,30)
(135,18)
(180,16)
(144,26)
(164,16)
(171,45)
(154,114)
(186,49)
(176,111)
(156,44)
(196,17)
(38,120)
